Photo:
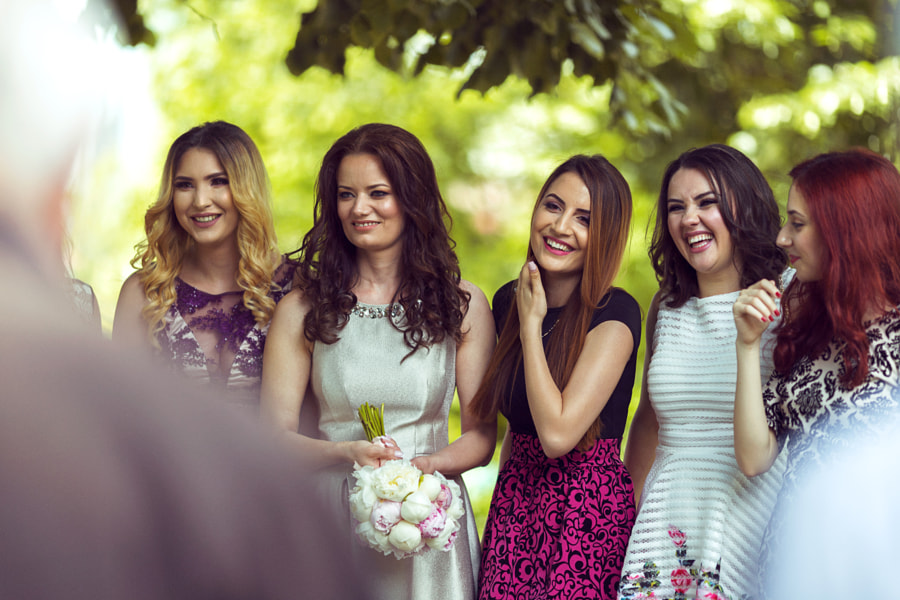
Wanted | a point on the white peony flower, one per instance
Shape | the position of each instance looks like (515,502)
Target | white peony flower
(457,508)
(395,480)
(416,507)
(453,502)
(444,497)
(432,525)
(385,514)
(373,537)
(431,485)
(406,537)
(362,499)
(444,540)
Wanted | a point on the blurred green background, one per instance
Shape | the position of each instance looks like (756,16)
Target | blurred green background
(638,82)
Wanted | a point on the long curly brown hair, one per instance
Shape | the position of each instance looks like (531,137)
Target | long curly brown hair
(158,258)
(433,302)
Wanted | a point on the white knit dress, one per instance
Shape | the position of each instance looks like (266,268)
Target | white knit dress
(700,521)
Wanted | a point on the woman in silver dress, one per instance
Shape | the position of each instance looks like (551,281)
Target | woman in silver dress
(381,315)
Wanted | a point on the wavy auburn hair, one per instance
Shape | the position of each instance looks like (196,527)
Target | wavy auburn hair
(748,210)
(159,257)
(429,292)
(853,199)
(610,223)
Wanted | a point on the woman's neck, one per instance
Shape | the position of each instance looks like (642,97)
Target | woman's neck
(718,283)
(377,277)
(212,269)
(558,289)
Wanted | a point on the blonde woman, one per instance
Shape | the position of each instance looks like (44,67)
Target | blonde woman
(209,272)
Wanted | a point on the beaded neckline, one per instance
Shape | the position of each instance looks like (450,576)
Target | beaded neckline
(377,312)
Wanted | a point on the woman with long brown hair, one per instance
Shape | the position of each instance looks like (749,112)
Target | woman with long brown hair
(562,375)
(699,524)
(381,315)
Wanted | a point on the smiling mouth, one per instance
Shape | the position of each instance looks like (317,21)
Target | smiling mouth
(698,239)
(205,218)
(364,224)
(558,246)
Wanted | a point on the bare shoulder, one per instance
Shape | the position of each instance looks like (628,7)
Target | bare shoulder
(128,323)
(291,310)
(133,286)
(131,297)
(478,302)
(473,290)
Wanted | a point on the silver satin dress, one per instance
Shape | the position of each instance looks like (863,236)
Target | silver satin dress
(365,366)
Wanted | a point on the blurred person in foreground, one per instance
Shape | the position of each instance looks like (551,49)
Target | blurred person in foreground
(835,536)
(115,485)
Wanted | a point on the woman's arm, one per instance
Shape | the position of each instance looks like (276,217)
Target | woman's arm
(643,436)
(478,438)
(755,446)
(129,326)
(562,417)
(287,360)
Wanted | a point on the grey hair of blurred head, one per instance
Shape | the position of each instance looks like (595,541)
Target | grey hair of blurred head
(52,78)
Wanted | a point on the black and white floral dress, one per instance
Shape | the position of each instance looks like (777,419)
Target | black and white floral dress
(818,418)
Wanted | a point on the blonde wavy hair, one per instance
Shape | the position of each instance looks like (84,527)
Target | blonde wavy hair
(158,258)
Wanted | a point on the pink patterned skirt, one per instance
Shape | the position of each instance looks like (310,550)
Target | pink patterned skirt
(557,528)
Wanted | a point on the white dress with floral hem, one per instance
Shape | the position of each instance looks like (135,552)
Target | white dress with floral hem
(700,520)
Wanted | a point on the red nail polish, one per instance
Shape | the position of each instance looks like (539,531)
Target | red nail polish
(778,294)
(763,320)
(777,313)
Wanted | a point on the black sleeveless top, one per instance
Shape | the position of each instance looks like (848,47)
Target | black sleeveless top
(617,305)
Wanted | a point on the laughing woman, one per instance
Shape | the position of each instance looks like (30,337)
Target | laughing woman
(562,375)
(700,520)
(208,273)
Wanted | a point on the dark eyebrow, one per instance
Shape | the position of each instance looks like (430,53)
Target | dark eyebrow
(796,213)
(700,196)
(207,177)
(370,187)
(563,202)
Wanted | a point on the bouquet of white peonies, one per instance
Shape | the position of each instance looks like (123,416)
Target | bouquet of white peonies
(398,509)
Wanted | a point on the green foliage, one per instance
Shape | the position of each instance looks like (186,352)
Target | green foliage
(535,40)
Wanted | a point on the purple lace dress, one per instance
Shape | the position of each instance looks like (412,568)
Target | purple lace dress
(213,339)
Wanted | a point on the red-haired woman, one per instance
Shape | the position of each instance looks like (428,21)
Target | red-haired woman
(562,374)
(837,358)
(381,315)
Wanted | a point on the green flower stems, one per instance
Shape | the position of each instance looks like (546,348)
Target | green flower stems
(372,420)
